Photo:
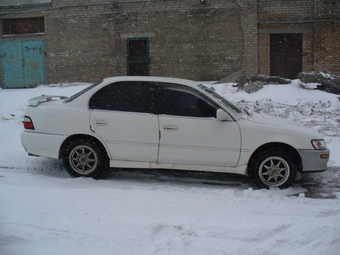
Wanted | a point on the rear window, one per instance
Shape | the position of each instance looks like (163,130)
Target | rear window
(71,98)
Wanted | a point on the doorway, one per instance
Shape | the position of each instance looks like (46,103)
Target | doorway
(285,55)
(138,61)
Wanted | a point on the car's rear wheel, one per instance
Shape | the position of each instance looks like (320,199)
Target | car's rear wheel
(274,167)
(84,158)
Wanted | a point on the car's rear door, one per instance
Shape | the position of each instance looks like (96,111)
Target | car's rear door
(190,132)
(122,114)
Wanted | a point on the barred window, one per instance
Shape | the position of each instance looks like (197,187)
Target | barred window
(23,26)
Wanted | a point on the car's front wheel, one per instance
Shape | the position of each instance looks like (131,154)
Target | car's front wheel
(274,167)
(85,158)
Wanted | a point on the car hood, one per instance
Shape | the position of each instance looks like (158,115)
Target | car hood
(286,126)
(270,120)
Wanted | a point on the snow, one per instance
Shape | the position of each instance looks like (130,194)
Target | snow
(44,211)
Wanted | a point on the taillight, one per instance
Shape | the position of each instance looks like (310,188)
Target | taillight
(28,124)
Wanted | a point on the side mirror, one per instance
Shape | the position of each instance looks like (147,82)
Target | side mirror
(221,115)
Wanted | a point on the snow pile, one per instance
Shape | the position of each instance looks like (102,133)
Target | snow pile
(44,211)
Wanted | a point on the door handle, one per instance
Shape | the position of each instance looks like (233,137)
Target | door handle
(100,122)
(170,127)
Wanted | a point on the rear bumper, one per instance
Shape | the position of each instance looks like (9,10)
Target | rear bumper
(41,144)
(313,161)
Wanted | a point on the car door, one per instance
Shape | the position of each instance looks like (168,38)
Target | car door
(190,132)
(122,114)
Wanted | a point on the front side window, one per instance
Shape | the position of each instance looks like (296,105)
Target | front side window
(221,99)
(129,96)
(182,101)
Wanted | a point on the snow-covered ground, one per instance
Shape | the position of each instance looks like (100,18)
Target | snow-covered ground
(44,211)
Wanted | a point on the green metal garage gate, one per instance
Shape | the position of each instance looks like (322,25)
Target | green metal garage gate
(23,63)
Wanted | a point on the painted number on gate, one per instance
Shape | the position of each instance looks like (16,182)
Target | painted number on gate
(36,48)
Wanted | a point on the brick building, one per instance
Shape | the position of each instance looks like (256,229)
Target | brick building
(84,40)
(298,35)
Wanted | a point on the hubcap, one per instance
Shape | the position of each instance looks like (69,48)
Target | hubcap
(83,160)
(274,171)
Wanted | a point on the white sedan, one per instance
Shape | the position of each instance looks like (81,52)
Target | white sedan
(166,123)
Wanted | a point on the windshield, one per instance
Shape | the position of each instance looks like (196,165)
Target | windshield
(71,98)
(220,98)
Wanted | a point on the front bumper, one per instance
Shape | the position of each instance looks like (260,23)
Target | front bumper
(314,160)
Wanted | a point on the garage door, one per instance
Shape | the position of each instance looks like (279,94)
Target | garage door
(23,63)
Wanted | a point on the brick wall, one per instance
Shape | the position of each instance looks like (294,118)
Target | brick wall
(327,45)
(317,20)
(264,54)
(86,39)
(285,9)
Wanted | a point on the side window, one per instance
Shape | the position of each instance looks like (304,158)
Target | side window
(130,96)
(182,101)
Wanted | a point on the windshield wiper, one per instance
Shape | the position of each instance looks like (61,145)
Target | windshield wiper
(247,112)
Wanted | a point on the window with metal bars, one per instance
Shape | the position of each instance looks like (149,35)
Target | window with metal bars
(23,26)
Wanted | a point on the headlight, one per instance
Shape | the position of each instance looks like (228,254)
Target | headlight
(319,144)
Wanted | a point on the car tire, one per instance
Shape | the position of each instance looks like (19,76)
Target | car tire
(274,167)
(85,158)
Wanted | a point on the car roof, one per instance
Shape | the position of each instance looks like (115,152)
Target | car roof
(186,82)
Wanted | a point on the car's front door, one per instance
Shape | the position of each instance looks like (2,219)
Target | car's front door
(122,114)
(190,132)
